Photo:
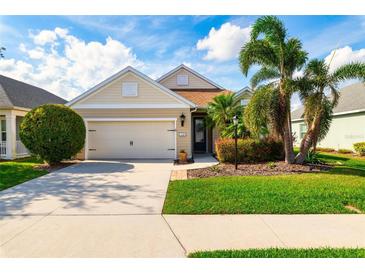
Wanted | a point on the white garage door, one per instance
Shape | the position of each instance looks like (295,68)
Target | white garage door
(131,140)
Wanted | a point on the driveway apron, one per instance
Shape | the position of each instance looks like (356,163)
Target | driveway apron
(93,209)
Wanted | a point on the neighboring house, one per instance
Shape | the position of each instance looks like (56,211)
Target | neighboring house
(348,124)
(16,99)
(244,95)
(130,115)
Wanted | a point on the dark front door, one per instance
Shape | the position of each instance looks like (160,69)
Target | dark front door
(200,138)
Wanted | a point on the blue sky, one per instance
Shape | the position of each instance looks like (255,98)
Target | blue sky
(69,54)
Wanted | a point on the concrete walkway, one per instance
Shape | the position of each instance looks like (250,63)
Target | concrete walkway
(212,232)
(113,209)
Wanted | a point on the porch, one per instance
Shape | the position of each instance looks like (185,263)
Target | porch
(11,146)
(203,137)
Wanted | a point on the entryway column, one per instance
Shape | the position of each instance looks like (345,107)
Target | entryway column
(10,135)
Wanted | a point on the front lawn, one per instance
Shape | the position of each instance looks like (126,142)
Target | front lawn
(18,171)
(283,253)
(327,192)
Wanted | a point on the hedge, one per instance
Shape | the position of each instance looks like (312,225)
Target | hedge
(249,150)
(53,132)
(360,148)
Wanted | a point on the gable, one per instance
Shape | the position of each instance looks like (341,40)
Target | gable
(194,82)
(108,94)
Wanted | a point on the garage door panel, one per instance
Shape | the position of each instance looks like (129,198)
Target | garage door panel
(135,139)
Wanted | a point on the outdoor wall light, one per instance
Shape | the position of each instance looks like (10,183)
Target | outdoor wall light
(182,119)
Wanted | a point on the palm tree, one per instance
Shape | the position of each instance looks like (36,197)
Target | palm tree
(318,107)
(2,49)
(222,109)
(279,57)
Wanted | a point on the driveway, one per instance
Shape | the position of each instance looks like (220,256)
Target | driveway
(92,209)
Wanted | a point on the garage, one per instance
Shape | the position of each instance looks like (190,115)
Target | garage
(131,139)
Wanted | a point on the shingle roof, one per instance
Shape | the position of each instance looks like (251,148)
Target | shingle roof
(200,97)
(352,98)
(14,93)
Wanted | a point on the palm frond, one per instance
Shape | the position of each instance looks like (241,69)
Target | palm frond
(350,71)
(264,74)
(256,52)
(271,27)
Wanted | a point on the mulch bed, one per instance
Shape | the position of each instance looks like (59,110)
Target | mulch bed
(57,166)
(272,168)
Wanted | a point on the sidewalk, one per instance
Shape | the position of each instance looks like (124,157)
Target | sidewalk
(212,232)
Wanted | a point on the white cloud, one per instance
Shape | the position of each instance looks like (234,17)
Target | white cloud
(67,65)
(224,43)
(345,55)
(44,37)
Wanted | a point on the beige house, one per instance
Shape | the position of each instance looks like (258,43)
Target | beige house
(130,115)
(348,123)
(16,99)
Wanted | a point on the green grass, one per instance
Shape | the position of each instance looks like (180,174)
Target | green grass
(19,171)
(323,193)
(283,253)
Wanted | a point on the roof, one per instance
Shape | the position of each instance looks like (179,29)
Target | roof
(191,71)
(14,93)
(352,100)
(243,90)
(136,72)
(201,97)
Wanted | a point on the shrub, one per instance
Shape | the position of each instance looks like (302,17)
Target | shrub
(325,149)
(312,157)
(360,148)
(53,132)
(344,151)
(249,150)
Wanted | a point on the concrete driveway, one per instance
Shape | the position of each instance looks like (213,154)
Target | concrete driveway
(92,209)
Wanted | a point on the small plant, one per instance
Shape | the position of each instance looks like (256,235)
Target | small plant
(344,151)
(214,168)
(313,158)
(360,148)
(272,165)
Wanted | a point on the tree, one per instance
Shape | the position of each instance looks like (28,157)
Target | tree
(2,49)
(221,111)
(278,57)
(53,132)
(318,107)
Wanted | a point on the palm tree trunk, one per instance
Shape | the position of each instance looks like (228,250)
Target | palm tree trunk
(309,140)
(288,141)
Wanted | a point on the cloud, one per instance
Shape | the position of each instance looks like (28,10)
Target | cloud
(66,65)
(345,55)
(224,43)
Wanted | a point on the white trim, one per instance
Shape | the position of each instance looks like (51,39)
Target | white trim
(129,106)
(115,119)
(137,73)
(242,91)
(191,71)
(335,114)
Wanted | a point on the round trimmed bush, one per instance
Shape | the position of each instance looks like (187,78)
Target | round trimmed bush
(53,132)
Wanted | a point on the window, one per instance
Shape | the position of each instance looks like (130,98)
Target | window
(129,89)
(302,130)
(182,80)
(244,102)
(3,130)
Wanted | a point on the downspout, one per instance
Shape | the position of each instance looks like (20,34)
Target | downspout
(192,133)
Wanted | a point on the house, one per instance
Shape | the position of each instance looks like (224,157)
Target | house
(244,95)
(348,124)
(130,115)
(16,99)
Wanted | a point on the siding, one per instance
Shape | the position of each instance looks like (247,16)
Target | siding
(112,94)
(181,142)
(194,81)
(345,130)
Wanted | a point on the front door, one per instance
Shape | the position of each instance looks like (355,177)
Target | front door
(200,137)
